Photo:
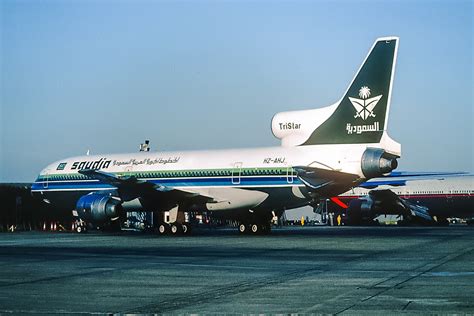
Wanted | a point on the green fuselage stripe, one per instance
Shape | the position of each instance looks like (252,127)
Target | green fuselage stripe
(179,173)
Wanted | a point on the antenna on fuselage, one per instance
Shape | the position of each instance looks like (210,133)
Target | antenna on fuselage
(145,146)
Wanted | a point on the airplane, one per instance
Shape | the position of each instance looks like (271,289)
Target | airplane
(323,152)
(422,198)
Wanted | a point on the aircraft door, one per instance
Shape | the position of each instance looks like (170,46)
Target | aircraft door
(406,193)
(236,173)
(289,174)
(449,194)
(46,179)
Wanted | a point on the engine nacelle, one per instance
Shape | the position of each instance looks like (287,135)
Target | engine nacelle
(376,162)
(377,202)
(361,210)
(98,208)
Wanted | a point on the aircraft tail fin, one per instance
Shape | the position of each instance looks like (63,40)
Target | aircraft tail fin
(361,115)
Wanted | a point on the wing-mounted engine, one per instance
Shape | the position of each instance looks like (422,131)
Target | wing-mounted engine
(379,202)
(98,207)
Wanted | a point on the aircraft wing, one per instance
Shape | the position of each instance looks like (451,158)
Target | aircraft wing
(130,188)
(400,178)
(388,200)
(318,179)
(420,211)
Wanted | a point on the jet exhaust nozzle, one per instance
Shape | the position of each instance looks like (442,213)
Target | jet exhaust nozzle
(376,162)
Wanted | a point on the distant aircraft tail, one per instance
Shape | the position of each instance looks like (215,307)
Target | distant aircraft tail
(359,117)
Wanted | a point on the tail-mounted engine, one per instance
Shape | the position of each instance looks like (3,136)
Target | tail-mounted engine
(98,208)
(377,162)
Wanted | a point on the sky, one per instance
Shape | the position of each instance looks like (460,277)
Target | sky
(106,75)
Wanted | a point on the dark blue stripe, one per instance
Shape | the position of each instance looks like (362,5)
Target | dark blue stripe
(374,184)
(262,181)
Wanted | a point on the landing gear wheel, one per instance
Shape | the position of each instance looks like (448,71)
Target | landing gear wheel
(175,229)
(243,228)
(163,229)
(186,228)
(255,228)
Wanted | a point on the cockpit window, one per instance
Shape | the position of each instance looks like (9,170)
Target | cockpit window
(61,166)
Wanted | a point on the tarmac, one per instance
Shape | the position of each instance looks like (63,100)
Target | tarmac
(335,270)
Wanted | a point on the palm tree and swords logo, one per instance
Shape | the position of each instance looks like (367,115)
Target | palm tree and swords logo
(365,107)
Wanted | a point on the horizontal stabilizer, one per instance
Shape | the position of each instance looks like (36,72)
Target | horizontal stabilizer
(400,178)
(410,174)
(391,182)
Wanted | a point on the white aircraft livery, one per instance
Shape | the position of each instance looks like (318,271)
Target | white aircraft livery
(323,152)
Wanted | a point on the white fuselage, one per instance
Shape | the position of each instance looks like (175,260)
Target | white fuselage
(344,158)
(445,186)
(261,169)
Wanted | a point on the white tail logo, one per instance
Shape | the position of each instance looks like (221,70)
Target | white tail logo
(365,107)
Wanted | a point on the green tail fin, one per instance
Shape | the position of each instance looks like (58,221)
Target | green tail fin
(361,116)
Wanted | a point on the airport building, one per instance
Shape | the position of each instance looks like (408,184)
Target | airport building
(20,211)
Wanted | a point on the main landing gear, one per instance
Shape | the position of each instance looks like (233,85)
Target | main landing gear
(174,228)
(79,226)
(255,228)
(177,225)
